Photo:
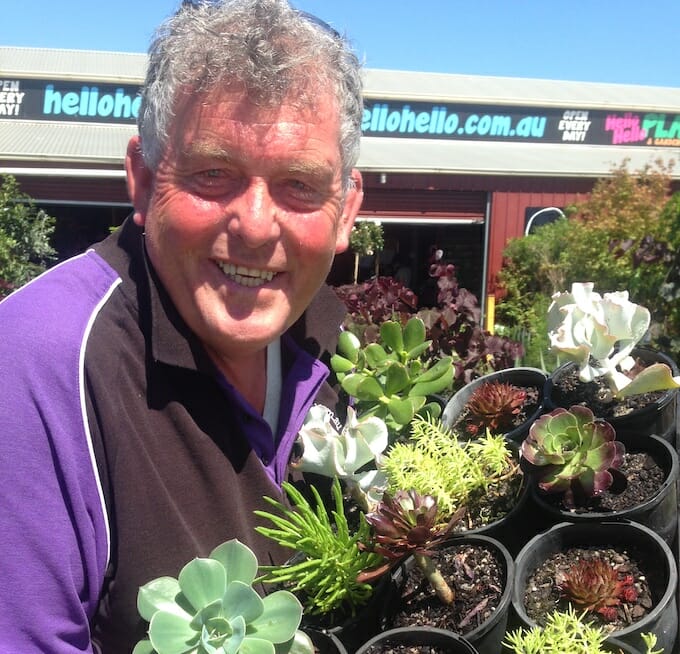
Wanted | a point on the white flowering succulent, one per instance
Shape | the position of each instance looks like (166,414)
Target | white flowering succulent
(332,453)
(599,334)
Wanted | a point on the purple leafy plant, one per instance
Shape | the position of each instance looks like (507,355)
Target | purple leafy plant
(406,524)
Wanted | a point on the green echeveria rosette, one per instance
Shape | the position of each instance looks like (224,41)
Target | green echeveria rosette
(573,448)
(211,608)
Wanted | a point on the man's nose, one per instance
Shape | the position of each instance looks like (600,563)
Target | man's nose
(253,215)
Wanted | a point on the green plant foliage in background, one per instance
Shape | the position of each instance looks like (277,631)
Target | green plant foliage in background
(624,236)
(25,232)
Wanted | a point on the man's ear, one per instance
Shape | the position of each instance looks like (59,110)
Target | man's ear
(353,199)
(139,180)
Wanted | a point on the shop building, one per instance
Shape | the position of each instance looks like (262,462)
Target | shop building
(454,162)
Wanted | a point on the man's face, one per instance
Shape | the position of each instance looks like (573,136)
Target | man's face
(244,215)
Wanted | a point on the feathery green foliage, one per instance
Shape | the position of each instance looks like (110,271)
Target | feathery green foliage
(435,462)
(327,576)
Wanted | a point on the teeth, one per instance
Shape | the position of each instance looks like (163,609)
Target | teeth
(246,276)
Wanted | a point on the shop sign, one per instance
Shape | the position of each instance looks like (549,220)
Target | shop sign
(68,101)
(403,119)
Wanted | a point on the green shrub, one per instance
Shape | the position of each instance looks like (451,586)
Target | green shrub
(25,233)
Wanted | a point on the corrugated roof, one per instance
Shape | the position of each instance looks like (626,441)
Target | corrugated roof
(72,64)
(513,159)
(442,87)
(71,142)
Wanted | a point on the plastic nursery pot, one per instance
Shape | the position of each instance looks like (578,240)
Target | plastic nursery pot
(414,637)
(517,525)
(651,551)
(351,631)
(325,643)
(659,513)
(658,417)
(517,377)
(488,636)
(616,646)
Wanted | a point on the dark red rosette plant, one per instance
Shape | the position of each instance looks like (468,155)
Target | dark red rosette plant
(406,524)
(596,585)
(493,406)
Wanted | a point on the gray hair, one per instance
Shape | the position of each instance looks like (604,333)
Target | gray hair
(270,49)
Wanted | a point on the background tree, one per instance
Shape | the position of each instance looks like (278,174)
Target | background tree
(624,236)
(25,231)
(366,239)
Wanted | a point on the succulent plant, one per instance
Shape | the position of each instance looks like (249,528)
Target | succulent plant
(599,333)
(565,632)
(406,524)
(435,461)
(573,451)
(211,608)
(392,379)
(493,406)
(344,454)
(594,584)
(330,563)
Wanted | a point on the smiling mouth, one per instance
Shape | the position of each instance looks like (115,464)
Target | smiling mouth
(246,276)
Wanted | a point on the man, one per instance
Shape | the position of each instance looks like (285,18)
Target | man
(153,387)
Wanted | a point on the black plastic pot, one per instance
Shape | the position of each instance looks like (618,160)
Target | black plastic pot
(421,637)
(447,641)
(654,555)
(659,513)
(351,631)
(616,646)
(325,643)
(517,377)
(656,418)
(488,636)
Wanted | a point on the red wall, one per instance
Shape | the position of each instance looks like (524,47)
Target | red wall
(507,221)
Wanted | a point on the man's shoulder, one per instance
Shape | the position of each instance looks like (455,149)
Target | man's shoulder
(61,301)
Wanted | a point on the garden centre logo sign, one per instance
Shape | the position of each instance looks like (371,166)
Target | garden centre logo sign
(88,101)
(403,119)
(69,101)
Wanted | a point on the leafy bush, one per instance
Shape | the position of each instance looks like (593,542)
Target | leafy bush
(626,235)
(25,233)
(453,325)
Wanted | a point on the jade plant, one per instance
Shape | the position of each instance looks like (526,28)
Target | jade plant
(393,378)
(565,632)
(434,461)
(573,453)
(326,573)
(493,406)
(406,524)
(211,608)
(599,334)
(350,454)
(594,584)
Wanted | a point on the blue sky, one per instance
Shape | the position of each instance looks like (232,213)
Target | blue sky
(619,41)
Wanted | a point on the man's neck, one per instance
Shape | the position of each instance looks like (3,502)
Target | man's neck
(248,375)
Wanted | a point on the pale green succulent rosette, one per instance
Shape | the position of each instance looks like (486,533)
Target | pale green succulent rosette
(211,608)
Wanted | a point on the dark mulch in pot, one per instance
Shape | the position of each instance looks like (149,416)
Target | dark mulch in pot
(389,648)
(543,596)
(637,480)
(493,503)
(570,390)
(476,575)
(530,406)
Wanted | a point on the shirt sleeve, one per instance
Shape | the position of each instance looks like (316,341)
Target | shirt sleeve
(53,540)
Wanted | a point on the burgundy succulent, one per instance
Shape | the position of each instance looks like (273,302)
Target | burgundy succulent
(596,585)
(572,448)
(406,523)
(493,406)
